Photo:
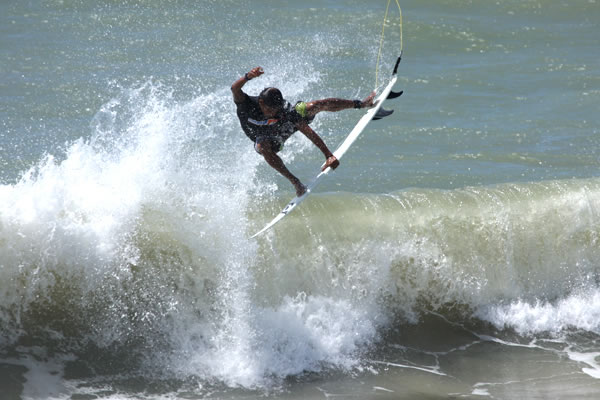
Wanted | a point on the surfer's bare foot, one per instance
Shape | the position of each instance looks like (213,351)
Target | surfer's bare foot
(368,101)
(300,189)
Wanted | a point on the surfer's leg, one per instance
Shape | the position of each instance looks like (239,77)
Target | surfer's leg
(333,105)
(265,148)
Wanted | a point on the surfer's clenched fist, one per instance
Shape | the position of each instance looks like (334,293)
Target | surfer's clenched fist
(332,162)
(255,73)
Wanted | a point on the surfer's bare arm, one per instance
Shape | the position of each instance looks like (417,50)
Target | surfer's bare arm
(236,88)
(335,104)
(332,161)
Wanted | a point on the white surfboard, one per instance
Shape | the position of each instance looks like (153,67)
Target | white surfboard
(374,113)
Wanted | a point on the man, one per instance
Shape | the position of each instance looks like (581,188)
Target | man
(268,120)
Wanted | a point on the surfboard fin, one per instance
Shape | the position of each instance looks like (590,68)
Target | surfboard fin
(393,94)
(382,113)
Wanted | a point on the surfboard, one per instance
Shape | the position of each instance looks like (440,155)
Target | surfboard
(375,113)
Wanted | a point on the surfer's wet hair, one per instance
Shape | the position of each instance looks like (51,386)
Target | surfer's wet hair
(272,97)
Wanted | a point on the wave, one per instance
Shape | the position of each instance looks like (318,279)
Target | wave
(136,246)
(514,241)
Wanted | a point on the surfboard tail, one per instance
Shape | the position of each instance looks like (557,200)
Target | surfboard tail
(382,112)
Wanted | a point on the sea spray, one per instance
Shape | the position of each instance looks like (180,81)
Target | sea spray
(126,247)
(110,230)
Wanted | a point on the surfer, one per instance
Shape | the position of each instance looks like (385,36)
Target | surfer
(269,120)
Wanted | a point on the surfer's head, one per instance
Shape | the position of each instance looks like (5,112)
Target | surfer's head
(271,101)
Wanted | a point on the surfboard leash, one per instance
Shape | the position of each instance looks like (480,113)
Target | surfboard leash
(381,40)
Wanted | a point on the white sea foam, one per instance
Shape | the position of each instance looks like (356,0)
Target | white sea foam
(303,334)
(577,311)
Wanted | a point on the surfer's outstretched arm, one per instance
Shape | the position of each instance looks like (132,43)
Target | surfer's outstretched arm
(236,88)
(335,104)
(332,161)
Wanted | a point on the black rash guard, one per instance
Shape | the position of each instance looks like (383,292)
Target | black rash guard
(277,129)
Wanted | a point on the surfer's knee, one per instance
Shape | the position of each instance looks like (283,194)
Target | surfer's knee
(263,148)
(268,145)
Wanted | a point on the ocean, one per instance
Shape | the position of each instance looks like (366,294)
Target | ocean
(454,254)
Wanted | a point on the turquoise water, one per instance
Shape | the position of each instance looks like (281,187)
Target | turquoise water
(454,253)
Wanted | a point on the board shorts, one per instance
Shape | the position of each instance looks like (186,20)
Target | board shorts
(276,142)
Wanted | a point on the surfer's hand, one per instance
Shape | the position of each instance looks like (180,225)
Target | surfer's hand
(332,162)
(255,72)
(368,101)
